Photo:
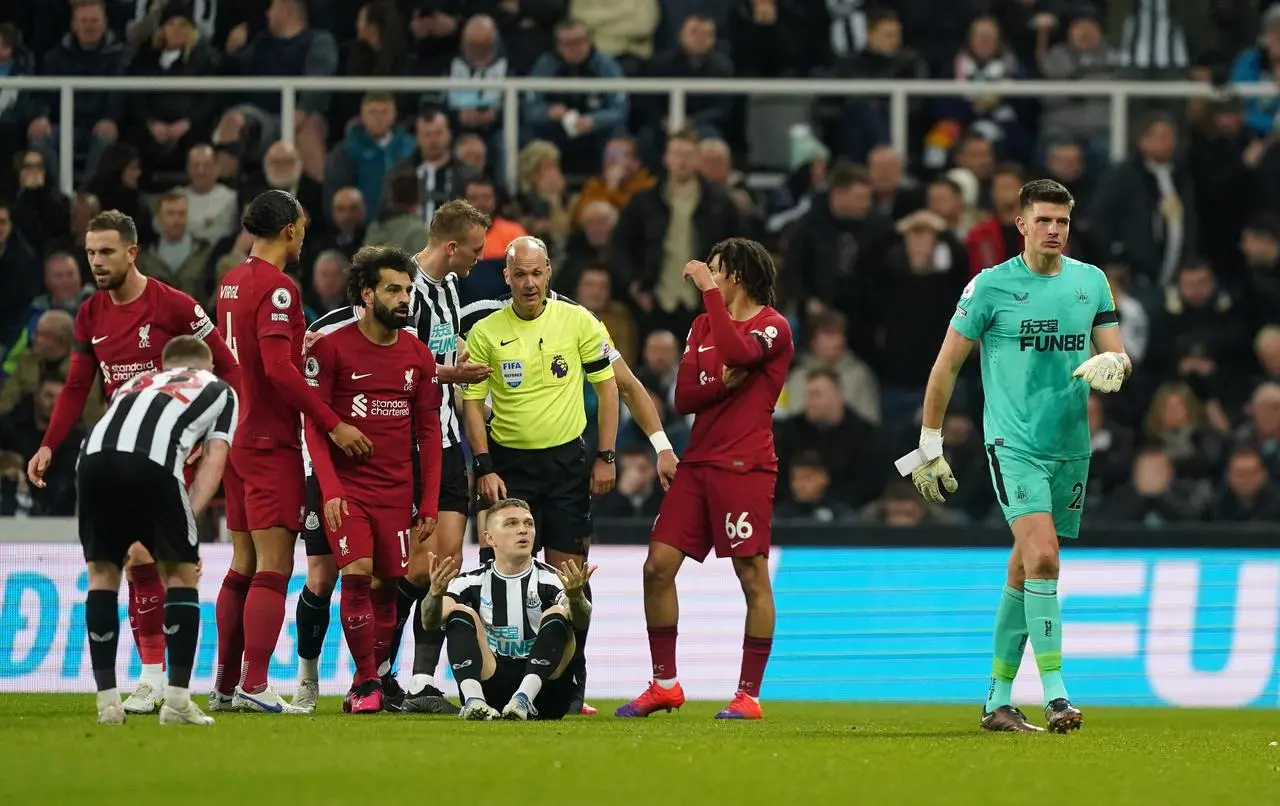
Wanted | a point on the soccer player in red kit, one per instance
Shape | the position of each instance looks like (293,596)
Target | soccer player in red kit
(387,382)
(122,330)
(734,366)
(260,316)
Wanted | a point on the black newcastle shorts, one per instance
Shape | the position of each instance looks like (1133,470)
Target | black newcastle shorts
(125,498)
(556,483)
(553,700)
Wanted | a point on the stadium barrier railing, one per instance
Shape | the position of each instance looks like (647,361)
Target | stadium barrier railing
(677,91)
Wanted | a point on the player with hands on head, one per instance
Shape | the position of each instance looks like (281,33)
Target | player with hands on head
(518,655)
(1037,317)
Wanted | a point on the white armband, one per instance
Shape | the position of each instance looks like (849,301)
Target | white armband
(659,441)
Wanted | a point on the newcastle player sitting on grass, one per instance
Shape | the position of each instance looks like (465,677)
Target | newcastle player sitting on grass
(509,625)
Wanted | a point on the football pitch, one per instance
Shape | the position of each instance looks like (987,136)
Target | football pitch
(802,753)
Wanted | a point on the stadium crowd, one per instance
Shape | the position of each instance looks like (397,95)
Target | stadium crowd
(874,248)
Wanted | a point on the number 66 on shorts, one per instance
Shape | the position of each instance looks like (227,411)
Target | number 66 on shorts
(710,507)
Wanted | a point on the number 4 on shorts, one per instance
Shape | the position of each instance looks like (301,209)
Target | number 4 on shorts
(738,532)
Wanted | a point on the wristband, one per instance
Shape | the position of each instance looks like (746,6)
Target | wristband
(659,441)
(482,463)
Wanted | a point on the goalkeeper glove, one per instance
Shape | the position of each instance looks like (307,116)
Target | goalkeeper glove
(931,474)
(1104,372)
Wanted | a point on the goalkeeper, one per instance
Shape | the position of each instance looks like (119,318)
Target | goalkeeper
(1037,316)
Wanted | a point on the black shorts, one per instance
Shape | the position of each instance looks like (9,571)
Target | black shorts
(553,700)
(556,483)
(125,498)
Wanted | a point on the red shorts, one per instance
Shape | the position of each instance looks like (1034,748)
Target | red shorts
(233,499)
(378,533)
(274,491)
(712,506)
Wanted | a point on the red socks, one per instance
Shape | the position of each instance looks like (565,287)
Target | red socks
(662,651)
(359,626)
(755,656)
(384,622)
(263,618)
(146,613)
(230,616)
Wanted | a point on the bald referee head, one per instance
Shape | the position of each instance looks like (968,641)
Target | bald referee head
(528,274)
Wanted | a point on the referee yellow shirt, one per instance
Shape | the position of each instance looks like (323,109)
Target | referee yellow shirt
(538,368)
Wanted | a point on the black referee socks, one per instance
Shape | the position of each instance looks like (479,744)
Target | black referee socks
(102,620)
(464,646)
(548,647)
(181,633)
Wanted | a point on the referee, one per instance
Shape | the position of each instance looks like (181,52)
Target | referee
(539,350)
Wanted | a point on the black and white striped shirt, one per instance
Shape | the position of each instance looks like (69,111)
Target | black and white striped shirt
(509,607)
(163,415)
(442,321)
(1152,39)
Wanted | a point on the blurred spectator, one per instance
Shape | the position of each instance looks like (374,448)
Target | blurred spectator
(836,249)
(371,148)
(808,161)
(849,445)
(1112,447)
(227,254)
(665,227)
(115,184)
(1145,206)
(926,273)
(328,282)
(967,456)
(433,161)
(289,46)
(282,170)
(1029,26)
(986,58)
(828,349)
(1135,323)
(977,155)
(1249,495)
(21,431)
(997,239)
(1084,56)
(902,506)
(64,290)
(212,211)
(378,50)
(772,39)
(1223,181)
(694,57)
(808,484)
(49,354)
(84,207)
(945,198)
(168,124)
(1262,431)
(90,49)
(40,211)
(1176,422)
(399,223)
(19,279)
(150,15)
(470,150)
(623,176)
(526,28)
(621,29)
(177,257)
(480,192)
(1266,346)
(1256,64)
(1154,497)
(580,123)
(1065,162)
(715,165)
(638,493)
(589,246)
(893,193)
(1260,245)
(542,196)
(349,218)
(660,363)
(1153,35)
(435,25)
(17,108)
(594,292)
(480,55)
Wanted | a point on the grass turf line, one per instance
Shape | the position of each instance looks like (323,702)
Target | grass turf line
(802,753)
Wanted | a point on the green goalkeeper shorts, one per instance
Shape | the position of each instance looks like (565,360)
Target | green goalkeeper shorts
(1025,484)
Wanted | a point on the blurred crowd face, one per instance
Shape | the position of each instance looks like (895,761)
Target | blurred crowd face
(202,169)
(942,199)
(851,203)
(173,219)
(698,37)
(920,244)
(885,38)
(471,151)
(1065,161)
(6,226)
(573,44)
(377,117)
(53,335)
(1271,41)
(1152,473)
(479,41)
(661,352)
(1268,350)
(598,220)
(282,166)
(904,511)
(809,484)
(1261,249)
(885,170)
(621,152)
(978,155)
(47,399)
(1175,415)
(1196,285)
(828,344)
(1266,411)
(1084,35)
(434,138)
(62,278)
(89,26)
(1158,143)
(636,474)
(326,279)
(823,402)
(1246,475)
(681,159)
(715,163)
(348,209)
(1004,192)
(282,15)
(176,33)
(482,196)
(594,289)
(31,171)
(984,38)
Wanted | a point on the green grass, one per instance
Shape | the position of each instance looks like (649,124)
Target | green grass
(802,753)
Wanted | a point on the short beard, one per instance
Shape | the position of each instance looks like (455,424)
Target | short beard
(112,283)
(389,318)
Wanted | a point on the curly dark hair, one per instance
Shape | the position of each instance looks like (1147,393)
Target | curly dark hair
(751,264)
(367,265)
(270,212)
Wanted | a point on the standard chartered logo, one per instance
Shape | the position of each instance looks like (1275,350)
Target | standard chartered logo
(359,406)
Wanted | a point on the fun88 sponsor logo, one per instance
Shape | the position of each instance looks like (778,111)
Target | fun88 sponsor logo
(507,641)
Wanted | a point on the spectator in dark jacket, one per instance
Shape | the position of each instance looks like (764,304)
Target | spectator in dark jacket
(89,50)
(695,57)
(638,493)
(20,432)
(115,183)
(379,49)
(772,39)
(40,211)
(371,148)
(16,108)
(1155,497)
(1250,495)
(21,279)
(809,485)
(171,123)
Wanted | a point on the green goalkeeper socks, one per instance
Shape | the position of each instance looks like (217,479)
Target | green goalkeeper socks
(1044,626)
(1011,640)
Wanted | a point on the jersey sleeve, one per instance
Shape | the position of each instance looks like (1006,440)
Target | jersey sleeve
(738,349)
(223,426)
(595,348)
(480,347)
(1106,315)
(82,332)
(321,369)
(276,310)
(973,311)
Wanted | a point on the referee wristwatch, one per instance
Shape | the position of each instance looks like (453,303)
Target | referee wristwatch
(607,457)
